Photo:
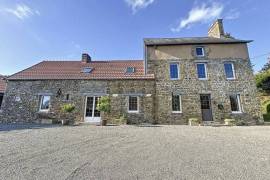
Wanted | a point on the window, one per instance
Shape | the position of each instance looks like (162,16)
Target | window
(1,99)
(229,71)
(87,70)
(200,51)
(201,70)
(133,104)
(235,103)
(174,71)
(45,103)
(130,70)
(176,104)
(67,97)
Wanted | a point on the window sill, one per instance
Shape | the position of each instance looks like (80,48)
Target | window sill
(133,112)
(229,79)
(177,112)
(203,79)
(200,56)
(43,111)
(175,79)
(237,112)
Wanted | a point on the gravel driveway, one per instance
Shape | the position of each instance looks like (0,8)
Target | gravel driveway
(131,152)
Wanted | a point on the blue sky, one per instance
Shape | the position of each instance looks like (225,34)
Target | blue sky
(36,30)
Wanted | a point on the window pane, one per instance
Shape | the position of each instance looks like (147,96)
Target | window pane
(89,106)
(174,71)
(199,51)
(96,112)
(133,103)
(235,104)
(1,99)
(45,102)
(130,70)
(201,71)
(229,70)
(176,103)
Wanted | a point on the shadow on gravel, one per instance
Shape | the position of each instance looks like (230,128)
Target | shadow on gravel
(12,127)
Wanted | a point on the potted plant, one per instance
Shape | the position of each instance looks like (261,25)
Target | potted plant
(194,121)
(67,109)
(104,106)
(229,121)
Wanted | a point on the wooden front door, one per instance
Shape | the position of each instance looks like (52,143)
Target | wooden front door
(206,107)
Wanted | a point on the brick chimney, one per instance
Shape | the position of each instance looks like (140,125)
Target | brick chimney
(86,58)
(217,30)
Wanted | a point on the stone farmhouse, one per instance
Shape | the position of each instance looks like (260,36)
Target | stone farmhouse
(210,78)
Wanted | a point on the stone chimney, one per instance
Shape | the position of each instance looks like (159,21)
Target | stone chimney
(217,30)
(86,58)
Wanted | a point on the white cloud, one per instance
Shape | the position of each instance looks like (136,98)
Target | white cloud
(203,13)
(21,11)
(138,4)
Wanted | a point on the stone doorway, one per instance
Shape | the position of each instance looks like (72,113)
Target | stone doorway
(206,107)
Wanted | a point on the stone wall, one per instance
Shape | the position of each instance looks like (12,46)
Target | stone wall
(190,87)
(22,98)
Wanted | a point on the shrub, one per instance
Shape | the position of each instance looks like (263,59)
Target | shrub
(268,108)
(67,108)
(266,117)
(104,104)
(262,79)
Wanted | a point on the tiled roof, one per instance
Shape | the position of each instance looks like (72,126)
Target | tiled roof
(74,70)
(2,84)
(193,40)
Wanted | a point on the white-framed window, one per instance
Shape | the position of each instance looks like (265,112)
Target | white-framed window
(229,70)
(199,51)
(176,103)
(133,104)
(45,102)
(174,71)
(202,71)
(235,103)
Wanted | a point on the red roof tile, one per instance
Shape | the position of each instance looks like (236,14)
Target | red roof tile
(2,84)
(73,70)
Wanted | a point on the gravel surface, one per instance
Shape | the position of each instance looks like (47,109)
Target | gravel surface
(131,152)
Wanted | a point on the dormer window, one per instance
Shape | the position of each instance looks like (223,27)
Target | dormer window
(199,51)
(130,70)
(87,70)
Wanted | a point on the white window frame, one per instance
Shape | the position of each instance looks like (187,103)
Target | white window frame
(132,111)
(232,70)
(205,68)
(203,54)
(178,70)
(180,100)
(239,105)
(40,104)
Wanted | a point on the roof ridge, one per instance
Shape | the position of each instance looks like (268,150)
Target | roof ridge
(95,61)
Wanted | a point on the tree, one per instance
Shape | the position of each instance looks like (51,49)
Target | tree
(266,67)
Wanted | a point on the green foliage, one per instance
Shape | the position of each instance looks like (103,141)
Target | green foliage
(263,78)
(268,108)
(266,67)
(266,117)
(67,108)
(104,104)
